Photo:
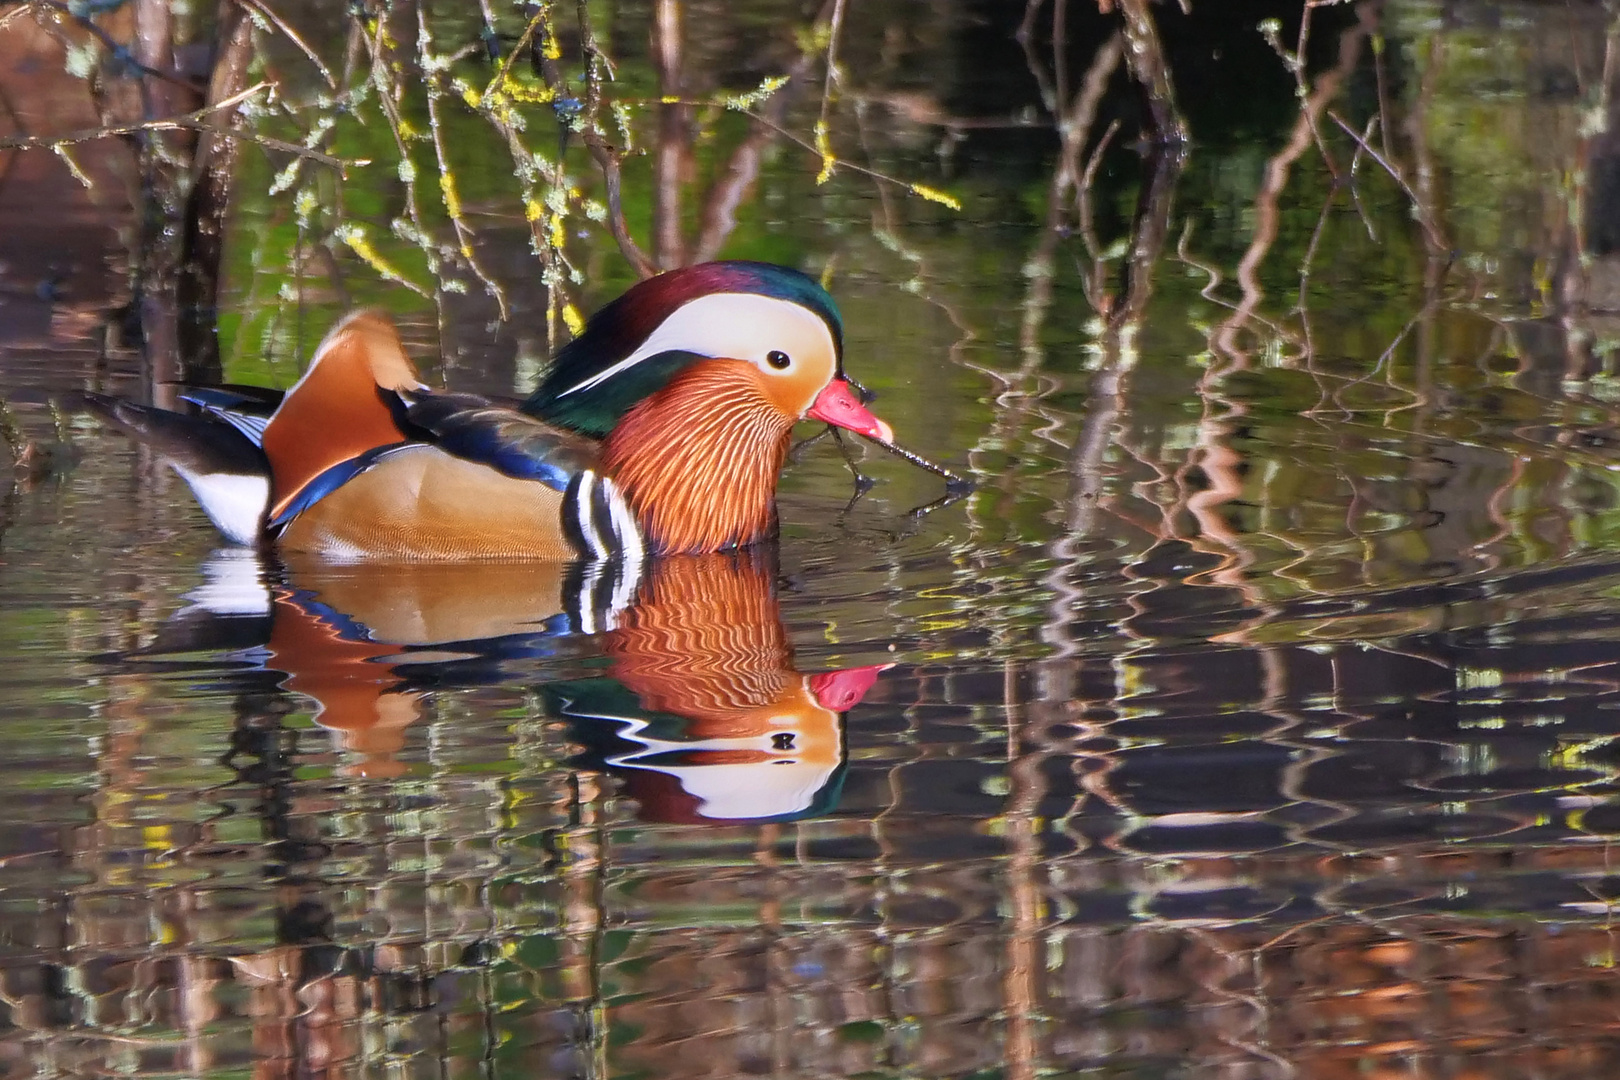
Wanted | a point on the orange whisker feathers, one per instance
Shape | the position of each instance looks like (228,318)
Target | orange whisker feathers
(705,641)
(699,459)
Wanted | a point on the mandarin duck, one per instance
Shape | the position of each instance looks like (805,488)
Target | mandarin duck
(660,429)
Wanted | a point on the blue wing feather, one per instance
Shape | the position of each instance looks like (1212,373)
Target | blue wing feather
(329,481)
(478,429)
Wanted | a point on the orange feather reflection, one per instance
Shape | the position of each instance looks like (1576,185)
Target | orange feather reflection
(704,715)
(706,718)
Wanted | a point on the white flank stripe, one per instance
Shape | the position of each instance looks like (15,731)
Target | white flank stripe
(624,592)
(624,523)
(587,517)
(587,598)
(632,551)
(234,502)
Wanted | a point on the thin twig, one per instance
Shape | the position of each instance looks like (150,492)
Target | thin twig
(954,495)
(74,169)
(1026,40)
(863,483)
(119,50)
(1350,177)
(953,480)
(264,9)
(535,22)
(545,222)
(486,33)
(493,104)
(388,78)
(1429,227)
(1300,46)
(191,121)
(802,144)
(1060,48)
(1383,92)
(1305,272)
(605,155)
(835,25)
(741,171)
(447,180)
(1268,214)
(16,13)
(1088,228)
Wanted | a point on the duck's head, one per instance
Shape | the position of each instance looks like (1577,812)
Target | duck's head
(775,320)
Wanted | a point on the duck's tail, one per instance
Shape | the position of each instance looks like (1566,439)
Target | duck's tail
(228,474)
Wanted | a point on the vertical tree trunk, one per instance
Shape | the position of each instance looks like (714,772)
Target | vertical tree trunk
(213,174)
(669,162)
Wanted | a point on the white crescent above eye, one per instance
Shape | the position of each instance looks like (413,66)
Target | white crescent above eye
(738,326)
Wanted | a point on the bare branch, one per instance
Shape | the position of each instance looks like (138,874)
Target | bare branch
(192,121)
(603,152)
(17,12)
(118,49)
(264,9)
(448,193)
(834,25)
(1435,236)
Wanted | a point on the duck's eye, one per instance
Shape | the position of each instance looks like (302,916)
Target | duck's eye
(778,359)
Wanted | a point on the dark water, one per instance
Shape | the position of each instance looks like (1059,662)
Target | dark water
(1255,717)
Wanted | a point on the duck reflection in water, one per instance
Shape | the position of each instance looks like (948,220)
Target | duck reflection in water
(702,715)
(705,715)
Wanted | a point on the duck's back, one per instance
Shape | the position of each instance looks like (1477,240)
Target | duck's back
(367,463)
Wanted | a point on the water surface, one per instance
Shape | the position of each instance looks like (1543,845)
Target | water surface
(1255,717)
